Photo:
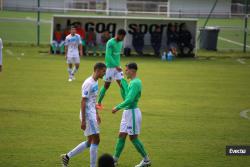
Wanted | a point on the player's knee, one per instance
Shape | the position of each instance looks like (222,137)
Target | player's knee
(96,140)
(132,137)
(122,135)
(107,85)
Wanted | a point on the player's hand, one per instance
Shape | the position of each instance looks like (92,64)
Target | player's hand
(81,54)
(119,69)
(98,118)
(65,57)
(114,110)
(83,125)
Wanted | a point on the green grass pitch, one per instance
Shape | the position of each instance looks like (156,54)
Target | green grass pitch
(190,110)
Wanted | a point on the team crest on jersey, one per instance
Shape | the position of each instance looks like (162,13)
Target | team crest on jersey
(86,93)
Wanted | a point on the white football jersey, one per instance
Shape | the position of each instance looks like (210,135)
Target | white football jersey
(73,42)
(1,44)
(1,47)
(90,92)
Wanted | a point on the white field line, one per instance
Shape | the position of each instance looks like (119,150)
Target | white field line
(243,114)
(241,61)
(233,42)
(9,52)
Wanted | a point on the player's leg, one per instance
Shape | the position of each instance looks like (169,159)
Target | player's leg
(70,65)
(134,121)
(75,69)
(102,93)
(122,83)
(108,79)
(75,151)
(120,143)
(95,140)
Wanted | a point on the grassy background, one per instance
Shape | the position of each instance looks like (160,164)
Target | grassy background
(9,33)
(190,110)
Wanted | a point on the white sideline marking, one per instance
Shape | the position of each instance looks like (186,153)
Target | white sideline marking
(233,42)
(241,61)
(9,52)
(243,114)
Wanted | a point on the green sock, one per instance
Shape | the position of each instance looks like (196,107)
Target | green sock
(62,49)
(101,94)
(139,147)
(124,88)
(119,147)
(53,48)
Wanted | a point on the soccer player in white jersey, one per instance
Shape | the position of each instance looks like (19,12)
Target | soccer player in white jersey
(1,58)
(89,117)
(73,51)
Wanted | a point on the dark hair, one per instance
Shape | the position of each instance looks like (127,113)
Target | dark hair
(121,32)
(106,160)
(72,27)
(99,66)
(132,65)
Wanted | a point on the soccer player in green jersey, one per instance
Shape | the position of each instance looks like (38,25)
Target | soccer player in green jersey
(112,61)
(131,118)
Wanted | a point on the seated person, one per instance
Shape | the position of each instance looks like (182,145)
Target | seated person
(185,38)
(81,32)
(104,39)
(91,41)
(58,40)
(172,38)
(156,37)
(66,31)
(138,41)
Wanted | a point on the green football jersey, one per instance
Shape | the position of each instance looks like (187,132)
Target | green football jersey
(113,53)
(132,96)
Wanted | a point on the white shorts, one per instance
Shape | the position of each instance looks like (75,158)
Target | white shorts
(92,126)
(73,60)
(113,74)
(131,121)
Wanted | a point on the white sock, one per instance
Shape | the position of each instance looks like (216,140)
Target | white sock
(78,149)
(74,71)
(146,158)
(93,154)
(69,71)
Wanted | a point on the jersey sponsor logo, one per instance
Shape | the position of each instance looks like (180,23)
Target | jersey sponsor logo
(85,92)
(129,127)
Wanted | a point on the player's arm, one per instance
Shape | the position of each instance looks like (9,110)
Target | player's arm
(98,118)
(132,93)
(83,108)
(80,46)
(66,51)
(85,96)
(80,49)
(66,47)
(124,88)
